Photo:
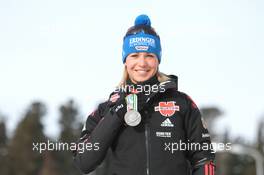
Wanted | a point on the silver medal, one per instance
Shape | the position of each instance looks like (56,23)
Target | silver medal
(132,118)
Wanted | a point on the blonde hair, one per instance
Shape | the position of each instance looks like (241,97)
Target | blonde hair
(161,77)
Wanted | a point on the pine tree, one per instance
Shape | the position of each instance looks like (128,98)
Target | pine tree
(3,137)
(24,160)
(69,122)
(3,147)
(70,129)
(50,166)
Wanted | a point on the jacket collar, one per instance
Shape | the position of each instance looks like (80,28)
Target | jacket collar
(172,83)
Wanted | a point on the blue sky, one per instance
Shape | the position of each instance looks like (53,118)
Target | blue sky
(54,50)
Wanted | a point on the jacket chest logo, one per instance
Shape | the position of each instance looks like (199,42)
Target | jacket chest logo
(167,109)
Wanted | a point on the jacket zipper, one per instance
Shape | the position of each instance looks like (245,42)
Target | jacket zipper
(147,143)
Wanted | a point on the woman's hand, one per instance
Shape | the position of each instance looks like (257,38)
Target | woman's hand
(117,104)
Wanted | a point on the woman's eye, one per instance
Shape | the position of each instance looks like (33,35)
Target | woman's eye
(150,55)
(133,55)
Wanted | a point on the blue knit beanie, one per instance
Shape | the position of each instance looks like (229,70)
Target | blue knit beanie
(141,41)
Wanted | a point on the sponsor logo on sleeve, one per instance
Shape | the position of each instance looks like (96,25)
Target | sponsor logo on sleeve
(205,135)
(114,98)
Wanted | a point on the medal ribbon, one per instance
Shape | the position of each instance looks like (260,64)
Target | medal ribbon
(132,102)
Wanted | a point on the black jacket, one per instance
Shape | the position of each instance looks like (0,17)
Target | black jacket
(171,138)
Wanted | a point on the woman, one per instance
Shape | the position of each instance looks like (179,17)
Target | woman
(148,125)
